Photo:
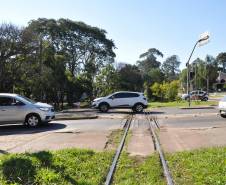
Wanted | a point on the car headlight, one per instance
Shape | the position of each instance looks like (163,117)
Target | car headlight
(44,109)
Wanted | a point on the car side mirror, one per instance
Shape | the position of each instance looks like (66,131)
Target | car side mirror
(112,97)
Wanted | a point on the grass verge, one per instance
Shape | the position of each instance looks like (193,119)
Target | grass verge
(86,167)
(137,170)
(182,104)
(65,167)
(205,166)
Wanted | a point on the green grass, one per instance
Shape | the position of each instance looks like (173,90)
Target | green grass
(86,167)
(182,104)
(142,171)
(199,167)
(66,167)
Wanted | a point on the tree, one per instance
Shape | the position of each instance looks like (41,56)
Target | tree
(130,78)
(149,60)
(183,79)
(85,48)
(170,67)
(148,66)
(205,72)
(10,47)
(211,71)
(221,59)
(106,81)
(53,60)
(166,91)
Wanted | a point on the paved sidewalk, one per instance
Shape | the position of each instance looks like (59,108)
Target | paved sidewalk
(55,141)
(180,139)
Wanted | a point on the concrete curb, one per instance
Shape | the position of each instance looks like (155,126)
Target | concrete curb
(209,107)
(75,118)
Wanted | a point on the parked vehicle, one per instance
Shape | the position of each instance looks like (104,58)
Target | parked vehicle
(18,109)
(222,107)
(196,95)
(124,99)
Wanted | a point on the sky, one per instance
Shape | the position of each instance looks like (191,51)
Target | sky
(172,26)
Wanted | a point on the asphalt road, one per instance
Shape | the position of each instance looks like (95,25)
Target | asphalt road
(94,133)
(64,126)
(114,120)
(194,121)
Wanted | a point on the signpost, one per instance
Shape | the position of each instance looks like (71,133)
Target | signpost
(203,39)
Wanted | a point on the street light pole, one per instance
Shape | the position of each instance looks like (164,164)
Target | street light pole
(188,73)
(203,38)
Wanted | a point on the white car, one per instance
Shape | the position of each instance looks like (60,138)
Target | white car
(124,99)
(222,107)
(18,109)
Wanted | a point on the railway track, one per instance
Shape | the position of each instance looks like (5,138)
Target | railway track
(153,127)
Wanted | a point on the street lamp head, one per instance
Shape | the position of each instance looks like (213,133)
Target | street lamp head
(204,38)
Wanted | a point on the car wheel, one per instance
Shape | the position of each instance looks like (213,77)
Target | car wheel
(103,107)
(204,99)
(223,115)
(138,108)
(32,120)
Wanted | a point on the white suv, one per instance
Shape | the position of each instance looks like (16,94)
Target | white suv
(124,99)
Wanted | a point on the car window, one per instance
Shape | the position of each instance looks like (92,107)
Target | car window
(23,98)
(126,95)
(6,101)
(119,95)
(132,95)
(18,103)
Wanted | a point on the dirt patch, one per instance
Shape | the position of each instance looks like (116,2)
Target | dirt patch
(113,139)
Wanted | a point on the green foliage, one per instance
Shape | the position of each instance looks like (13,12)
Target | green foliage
(150,68)
(167,91)
(221,61)
(130,78)
(106,81)
(170,67)
(205,72)
(52,60)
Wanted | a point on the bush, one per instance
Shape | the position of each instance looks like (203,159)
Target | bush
(167,91)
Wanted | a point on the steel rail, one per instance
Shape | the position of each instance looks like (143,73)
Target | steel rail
(118,151)
(166,171)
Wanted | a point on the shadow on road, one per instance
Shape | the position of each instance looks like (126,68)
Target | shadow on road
(3,152)
(156,112)
(115,112)
(22,129)
(128,112)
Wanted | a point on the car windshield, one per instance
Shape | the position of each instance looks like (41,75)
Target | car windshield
(27,99)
